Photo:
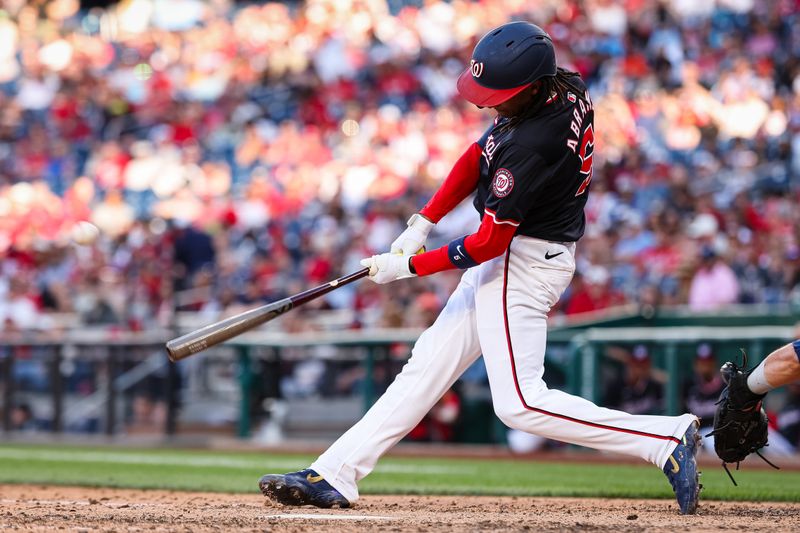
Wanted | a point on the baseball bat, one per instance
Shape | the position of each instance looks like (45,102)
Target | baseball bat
(213,334)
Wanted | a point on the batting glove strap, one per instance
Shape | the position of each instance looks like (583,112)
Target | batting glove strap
(414,236)
(457,253)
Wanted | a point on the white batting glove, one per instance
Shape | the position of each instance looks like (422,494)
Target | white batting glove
(413,238)
(387,267)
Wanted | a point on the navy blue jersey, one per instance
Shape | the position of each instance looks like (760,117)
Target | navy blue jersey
(537,173)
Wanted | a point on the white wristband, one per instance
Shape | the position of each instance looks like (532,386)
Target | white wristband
(757,381)
(420,223)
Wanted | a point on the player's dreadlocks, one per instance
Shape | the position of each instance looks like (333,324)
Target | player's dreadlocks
(559,85)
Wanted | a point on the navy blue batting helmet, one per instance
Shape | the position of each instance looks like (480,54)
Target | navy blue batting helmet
(505,61)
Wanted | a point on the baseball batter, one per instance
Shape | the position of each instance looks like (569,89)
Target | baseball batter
(531,173)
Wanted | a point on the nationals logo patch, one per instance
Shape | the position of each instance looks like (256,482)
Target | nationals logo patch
(502,183)
(476,68)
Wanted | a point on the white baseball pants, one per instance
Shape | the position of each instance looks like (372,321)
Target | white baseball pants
(499,309)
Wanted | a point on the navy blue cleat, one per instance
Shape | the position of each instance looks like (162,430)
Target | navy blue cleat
(305,487)
(681,470)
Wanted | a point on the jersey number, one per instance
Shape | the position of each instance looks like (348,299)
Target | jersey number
(586,154)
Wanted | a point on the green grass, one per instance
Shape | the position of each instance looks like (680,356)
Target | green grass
(239,471)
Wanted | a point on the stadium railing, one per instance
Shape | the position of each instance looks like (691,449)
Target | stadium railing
(121,361)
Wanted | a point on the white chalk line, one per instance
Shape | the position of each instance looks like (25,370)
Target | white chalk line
(314,516)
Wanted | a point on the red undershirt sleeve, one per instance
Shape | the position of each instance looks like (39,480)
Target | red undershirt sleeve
(491,240)
(458,184)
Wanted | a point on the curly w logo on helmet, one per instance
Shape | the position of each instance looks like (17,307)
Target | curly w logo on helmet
(476,68)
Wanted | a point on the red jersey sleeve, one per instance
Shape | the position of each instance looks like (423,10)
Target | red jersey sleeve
(458,184)
(491,240)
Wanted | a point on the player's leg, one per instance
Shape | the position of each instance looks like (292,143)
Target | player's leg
(512,304)
(438,358)
(779,368)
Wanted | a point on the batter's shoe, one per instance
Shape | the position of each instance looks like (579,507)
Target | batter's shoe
(681,470)
(305,487)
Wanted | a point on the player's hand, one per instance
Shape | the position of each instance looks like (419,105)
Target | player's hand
(414,236)
(387,267)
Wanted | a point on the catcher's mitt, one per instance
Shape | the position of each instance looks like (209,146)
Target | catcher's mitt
(740,422)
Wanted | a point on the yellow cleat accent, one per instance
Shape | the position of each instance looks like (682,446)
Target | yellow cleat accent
(675,466)
(317,479)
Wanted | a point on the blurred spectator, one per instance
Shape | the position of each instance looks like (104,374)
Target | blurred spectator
(594,293)
(19,308)
(636,391)
(193,250)
(305,379)
(520,442)
(714,284)
(423,312)
(22,418)
(148,402)
(701,392)
(439,425)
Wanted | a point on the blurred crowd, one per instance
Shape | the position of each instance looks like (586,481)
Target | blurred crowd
(232,153)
